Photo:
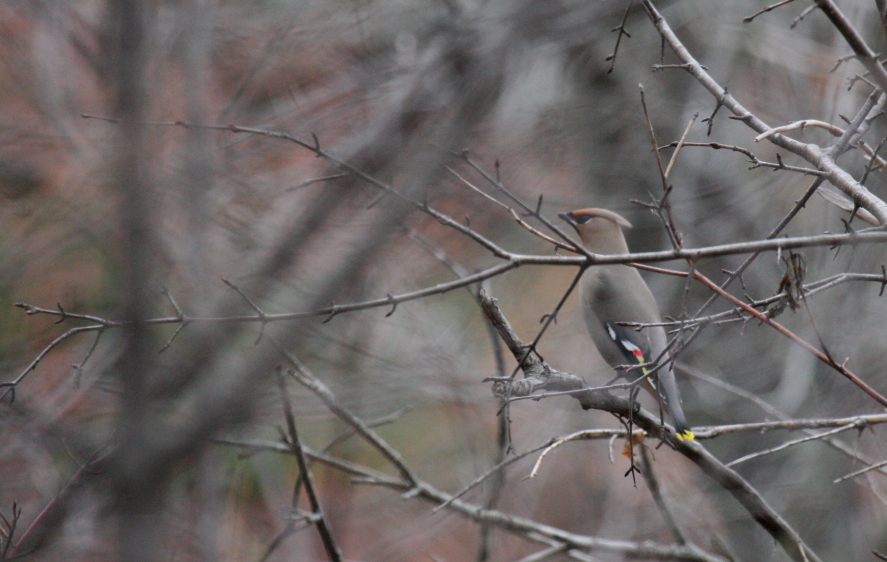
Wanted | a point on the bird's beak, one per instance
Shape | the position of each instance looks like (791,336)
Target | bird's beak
(569,219)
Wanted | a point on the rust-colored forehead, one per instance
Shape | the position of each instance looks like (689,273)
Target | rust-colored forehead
(588,214)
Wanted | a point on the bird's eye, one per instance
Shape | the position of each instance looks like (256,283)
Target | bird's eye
(582,219)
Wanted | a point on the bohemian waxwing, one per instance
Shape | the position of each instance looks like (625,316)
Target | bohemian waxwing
(616,293)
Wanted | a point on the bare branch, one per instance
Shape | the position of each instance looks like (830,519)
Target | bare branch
(506,521)
(863,52)
(856,473)
(515,260)
(326,535)
(836,131)
(810,152)
(727,478)
(620,31)
(782,447)
(649,475)
(756,162)
(765,10)
(680,144)
(304,376)
(824,357)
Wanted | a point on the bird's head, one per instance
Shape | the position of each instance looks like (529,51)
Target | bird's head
(599,229)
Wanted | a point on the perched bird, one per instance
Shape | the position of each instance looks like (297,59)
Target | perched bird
(616,293)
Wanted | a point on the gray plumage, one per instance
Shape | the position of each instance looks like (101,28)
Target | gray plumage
(617,293)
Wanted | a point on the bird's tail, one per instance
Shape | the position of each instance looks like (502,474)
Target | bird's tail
(668,389)
(682,430)
(662,383)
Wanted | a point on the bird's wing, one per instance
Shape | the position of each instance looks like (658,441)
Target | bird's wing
(633,346)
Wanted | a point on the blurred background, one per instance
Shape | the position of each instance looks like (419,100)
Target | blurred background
(112,218)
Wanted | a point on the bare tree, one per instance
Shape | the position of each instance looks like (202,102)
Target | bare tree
(291,285)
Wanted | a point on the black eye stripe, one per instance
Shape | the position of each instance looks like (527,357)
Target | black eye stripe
(584,218)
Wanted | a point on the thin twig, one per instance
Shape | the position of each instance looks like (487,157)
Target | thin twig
(856,473)
(506,521)
(825,358)
(514,261)
(792,443)
(695,452)
(649,475)
(513,213)
(765,10)
(662,205)
(810,152)
(836,131)
(302,374)
(326,535)
(756,162)
(620,29)
(680,144)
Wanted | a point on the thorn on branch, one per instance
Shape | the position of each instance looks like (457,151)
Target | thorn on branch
(883,280)
(644,204)
(179,314)
(249,301)
(856,207)
(334,310)
(873,161)
(64,314)
(393,302)
(312,181)
(262,316)
(711,119)
(860,78)
(841,61)
(172,338)
(804,14)
(316,143)
(548,315)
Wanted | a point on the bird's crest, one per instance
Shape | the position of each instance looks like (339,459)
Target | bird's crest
(582,216)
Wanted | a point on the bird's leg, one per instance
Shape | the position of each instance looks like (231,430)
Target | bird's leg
(661,401)
(632,397)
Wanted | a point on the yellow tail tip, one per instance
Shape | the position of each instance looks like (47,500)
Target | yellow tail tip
(686,434)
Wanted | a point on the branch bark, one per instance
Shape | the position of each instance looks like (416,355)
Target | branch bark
(541,376)
(810,152)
